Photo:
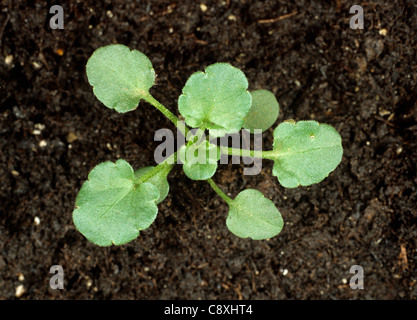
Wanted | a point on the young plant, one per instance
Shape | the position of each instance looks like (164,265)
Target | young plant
(117,202)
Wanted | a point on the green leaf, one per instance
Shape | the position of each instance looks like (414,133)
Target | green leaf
(305,152)
(159,180)
(120,77)
(216,99)
(263,112)
(111,208)
(199,162)
(251,215)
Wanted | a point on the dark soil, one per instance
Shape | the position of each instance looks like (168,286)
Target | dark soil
(53,131)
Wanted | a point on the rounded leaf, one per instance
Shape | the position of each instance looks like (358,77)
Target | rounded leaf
(216,99)
(120,77)
(263,113)
(305,152)
(159,180)
(199,162)
(251,215)
(111,208)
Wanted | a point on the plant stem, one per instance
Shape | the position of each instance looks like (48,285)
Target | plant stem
(199,135)
(246,153)
(165,166)
(174,119)
(228,200)
(270,155)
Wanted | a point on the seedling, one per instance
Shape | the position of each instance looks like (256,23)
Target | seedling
(116,202)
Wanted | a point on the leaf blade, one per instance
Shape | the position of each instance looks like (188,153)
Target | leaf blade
(305,152)
(199,162)
(217,99)
(159,180)
(264,111)
(120,77)
(251,215)
(110,208)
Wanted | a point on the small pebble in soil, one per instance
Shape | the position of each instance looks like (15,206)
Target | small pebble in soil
(39,126)
(37,65)
(71,137)
(203,7)
(18,114)
(20,276)
(20,290)
(373,48)
(384,112)
(15,173)
(36,221)
(43,143)
(383,32)
(8,60)
(399,150)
